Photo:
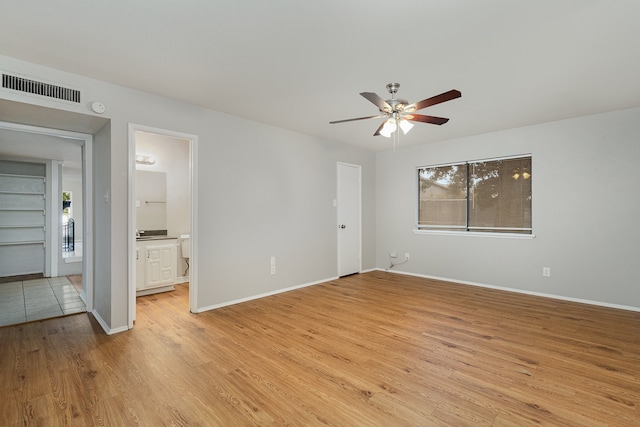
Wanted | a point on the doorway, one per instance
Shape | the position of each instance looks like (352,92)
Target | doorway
(349,219)
(50,146)
(149,146)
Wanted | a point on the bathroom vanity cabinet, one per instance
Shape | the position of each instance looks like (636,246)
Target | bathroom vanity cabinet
(156,265)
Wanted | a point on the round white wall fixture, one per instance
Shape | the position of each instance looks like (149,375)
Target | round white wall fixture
(98,107)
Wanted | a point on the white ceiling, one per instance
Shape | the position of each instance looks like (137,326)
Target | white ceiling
(20,145)
(299,64)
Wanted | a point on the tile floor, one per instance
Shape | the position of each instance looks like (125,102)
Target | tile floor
(29,300)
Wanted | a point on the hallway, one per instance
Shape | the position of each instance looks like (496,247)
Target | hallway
(37,299)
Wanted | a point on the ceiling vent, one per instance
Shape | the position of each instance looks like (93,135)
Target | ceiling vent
(40,88)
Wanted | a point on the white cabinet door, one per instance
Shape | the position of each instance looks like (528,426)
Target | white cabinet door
(161,265)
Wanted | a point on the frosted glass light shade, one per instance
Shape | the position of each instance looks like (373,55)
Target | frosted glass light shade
(406,126)
(388,128)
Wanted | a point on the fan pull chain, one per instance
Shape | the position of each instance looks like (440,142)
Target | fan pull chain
(396,135)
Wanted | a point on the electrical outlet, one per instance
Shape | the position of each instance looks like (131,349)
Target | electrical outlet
(546,271)
(393,254)
(273,269)
(406,256)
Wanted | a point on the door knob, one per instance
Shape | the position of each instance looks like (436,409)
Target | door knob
(343,226)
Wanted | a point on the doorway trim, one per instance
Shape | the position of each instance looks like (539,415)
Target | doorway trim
(86,143)
(131,228)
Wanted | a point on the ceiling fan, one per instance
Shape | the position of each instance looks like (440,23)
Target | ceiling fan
(398,112)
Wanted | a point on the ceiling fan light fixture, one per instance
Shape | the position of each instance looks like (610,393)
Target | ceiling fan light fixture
(385,132)
(388,128)
(399,112)
(405,125)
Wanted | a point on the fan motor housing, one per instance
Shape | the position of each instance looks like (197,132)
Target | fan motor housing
(396,104)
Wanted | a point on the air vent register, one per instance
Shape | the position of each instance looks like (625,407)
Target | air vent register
(22,84)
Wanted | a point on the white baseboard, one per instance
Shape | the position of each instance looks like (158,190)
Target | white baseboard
(519,291)
(155,290)
(106,327)
(266,294)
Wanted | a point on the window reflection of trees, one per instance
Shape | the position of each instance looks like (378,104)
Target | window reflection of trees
(492,195)
(500,194)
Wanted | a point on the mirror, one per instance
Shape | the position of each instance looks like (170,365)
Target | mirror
(151,200)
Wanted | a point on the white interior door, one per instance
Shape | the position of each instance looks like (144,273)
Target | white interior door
(349,219)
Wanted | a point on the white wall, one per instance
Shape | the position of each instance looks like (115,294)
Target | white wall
(109,283)
(585,211)
(263,191)
(269,192)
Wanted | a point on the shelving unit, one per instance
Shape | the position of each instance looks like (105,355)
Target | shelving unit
(22,223)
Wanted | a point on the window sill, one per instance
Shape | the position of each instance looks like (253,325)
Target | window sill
(476,234)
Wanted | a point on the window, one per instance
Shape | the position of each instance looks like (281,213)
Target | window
(478,196)
(66,206)
(68,224)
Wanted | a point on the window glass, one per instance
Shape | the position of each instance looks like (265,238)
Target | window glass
(443,197)
(482,196)
(500,195)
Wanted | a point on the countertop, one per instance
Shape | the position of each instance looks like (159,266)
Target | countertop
(147,238)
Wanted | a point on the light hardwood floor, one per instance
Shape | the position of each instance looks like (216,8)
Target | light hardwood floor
(375,349)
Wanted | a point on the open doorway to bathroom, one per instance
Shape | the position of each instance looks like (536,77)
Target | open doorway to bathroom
(161,214)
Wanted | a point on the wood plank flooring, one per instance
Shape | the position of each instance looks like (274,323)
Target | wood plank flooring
(375,349)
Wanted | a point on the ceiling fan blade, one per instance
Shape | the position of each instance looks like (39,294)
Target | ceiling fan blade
(379,129)
(358,118)
(426,119)
(443,97)
(379,102)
